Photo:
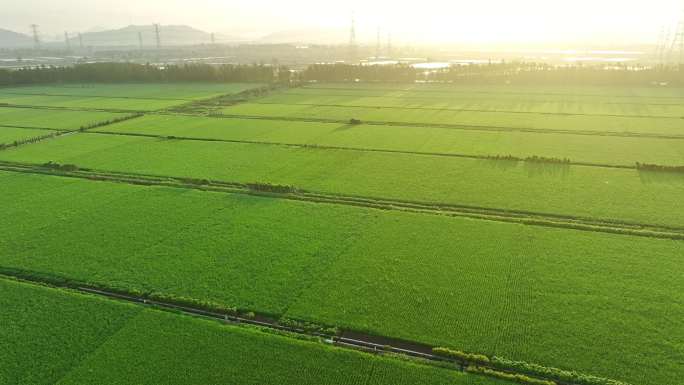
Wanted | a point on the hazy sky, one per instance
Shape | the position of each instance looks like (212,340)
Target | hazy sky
(611,21)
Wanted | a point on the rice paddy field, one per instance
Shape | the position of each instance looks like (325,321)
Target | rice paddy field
(573,260)
(596,149)
(117,343)
(52,119)
(578,191)
(11,134)
(492,109)
(128,97)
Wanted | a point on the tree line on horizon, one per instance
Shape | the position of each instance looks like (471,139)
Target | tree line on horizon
(144,73)
(494,73)
(520,73)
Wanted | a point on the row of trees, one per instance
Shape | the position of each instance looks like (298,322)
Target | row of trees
(400,73)
(541,73)
(496,73)
(130,72)
(499,73)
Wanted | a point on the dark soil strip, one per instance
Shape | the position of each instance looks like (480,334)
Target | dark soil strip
(481,213)
(518,112)
(387,151)
(467,127)
(344,339)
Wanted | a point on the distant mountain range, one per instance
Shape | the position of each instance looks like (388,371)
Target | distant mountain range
(173,35)
(170,35)
(11,39)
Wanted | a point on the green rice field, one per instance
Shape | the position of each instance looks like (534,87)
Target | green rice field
(117,343)
(415,276)
(129,97)
(503,120)
(578,191)
(597,149)
(9,135)
(367,226)
(482,99)
(52,119)
(172,91)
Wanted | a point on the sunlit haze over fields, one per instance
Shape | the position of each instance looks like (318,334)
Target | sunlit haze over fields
(433,21)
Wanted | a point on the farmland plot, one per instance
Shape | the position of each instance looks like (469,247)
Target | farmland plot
(577,300)
(52,119)
(84,102)
(608,150)
(9,135)
(603,304)
(117,343)
(127,97)
(459,99)
(665,126)
(172,91)
(577,191)
(639,94)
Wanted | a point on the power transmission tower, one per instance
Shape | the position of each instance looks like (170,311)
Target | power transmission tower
(80,40)
(66,41)
(157,35)
(678,41)
(663,42)
(140,43)
(352,39)
(213,39)
(36,36)
(377,44)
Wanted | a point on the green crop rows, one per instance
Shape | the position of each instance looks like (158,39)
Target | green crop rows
(640,95)
(172,91)
(495,288)
(609,150)
(52,119)
(81,102)
(599,124)
(496,107)
(603,304)
(10,134)
(496,99)
(133,97)
(616,194)
(60,337)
